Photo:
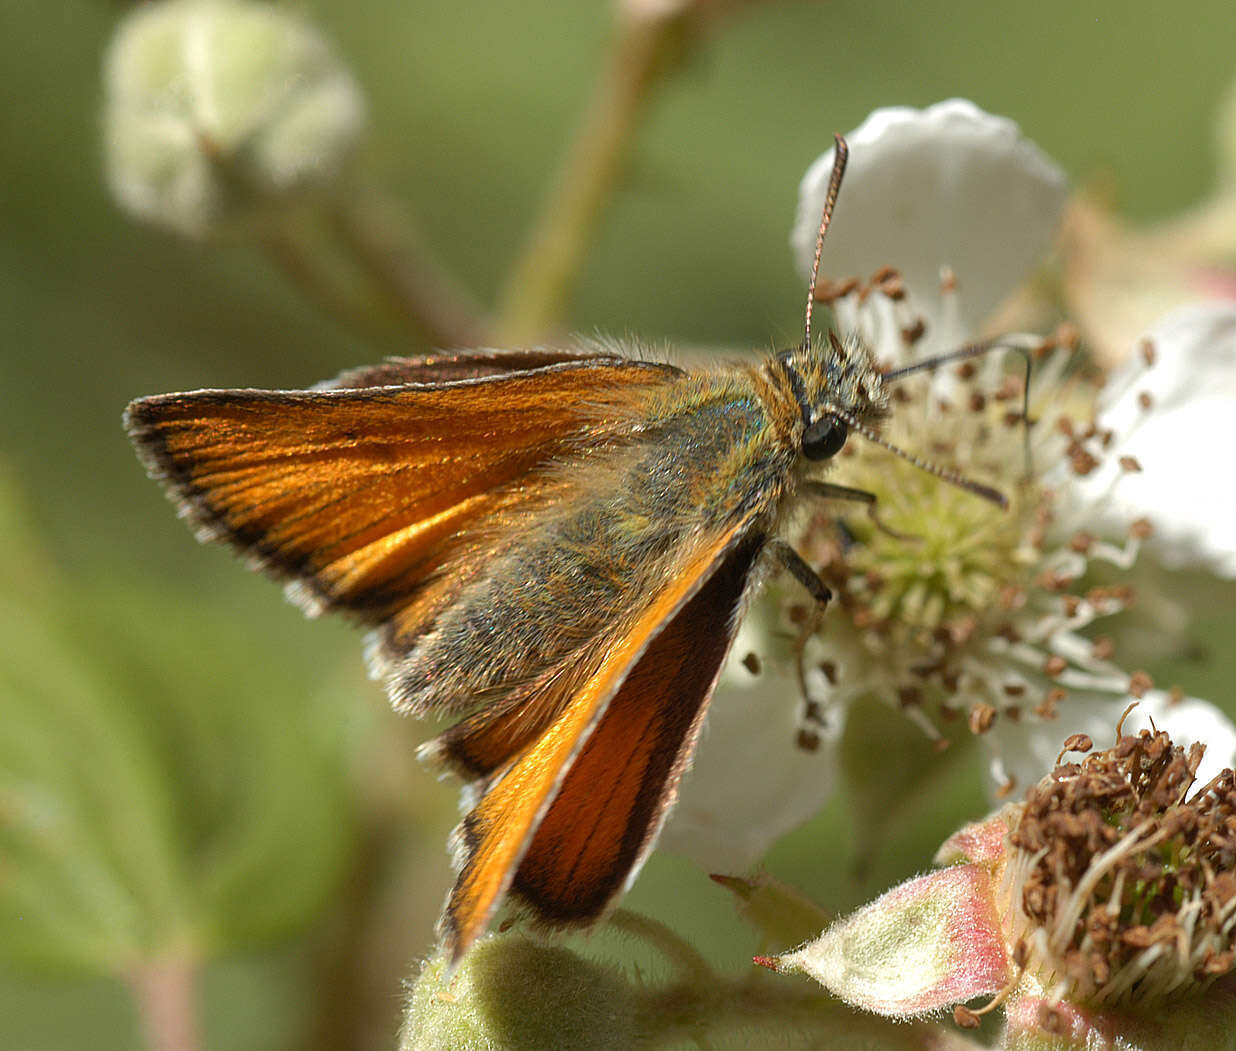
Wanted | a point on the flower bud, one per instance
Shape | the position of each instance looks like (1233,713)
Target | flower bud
(512,993)
(928,943)
(217,109)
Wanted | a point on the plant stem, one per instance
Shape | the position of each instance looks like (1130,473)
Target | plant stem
(691,965)
(166,994)
(298,263)
(408,277)
(542,277)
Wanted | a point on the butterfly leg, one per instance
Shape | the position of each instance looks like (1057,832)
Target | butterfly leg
(812,723)
(830,491)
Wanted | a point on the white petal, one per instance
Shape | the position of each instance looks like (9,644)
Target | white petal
(946,186)
(1182,443)
(749,784)
(1027,751)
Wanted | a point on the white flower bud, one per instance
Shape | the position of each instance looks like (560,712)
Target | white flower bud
(217,109)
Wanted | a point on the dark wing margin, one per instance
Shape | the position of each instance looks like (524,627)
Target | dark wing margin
(459,366)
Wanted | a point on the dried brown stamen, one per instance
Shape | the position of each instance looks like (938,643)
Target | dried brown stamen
(1125,889)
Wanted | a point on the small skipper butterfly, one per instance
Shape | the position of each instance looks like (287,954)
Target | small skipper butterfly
(556,546)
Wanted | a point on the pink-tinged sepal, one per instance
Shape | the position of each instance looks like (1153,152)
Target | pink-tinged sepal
(982,843)
(928,944)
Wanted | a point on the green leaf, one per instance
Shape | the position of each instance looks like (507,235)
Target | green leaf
(166,787)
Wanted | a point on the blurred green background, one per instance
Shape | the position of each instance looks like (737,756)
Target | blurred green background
(241,783)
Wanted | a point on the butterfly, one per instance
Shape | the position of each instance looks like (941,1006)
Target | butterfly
(553,546)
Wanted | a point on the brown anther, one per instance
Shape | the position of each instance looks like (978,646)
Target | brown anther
(826,291)
(1120,594)
(982,718)
(830,291)
(1046,708)
(1082,462)
(909,697)
(1141,529)
(1145,402)
(752,663)
(1054,665)
(807,740)
(1008,632)
(1054,580)
(1103,648)
(1075,743)
(1004,790)
(829,670)
(1129,465)
(1010,388)
(978,401)
(966,370)
(948,281)
(1065,426)
(965,1018)
(1012,419)
(941,744)
(911,334)
(1140,684)
(1014,689)
(1071,603)
(1011,597)
(1081,542)
(894,288)
(1146,349)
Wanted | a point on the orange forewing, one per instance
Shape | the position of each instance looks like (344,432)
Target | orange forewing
(359,495)
(501,834)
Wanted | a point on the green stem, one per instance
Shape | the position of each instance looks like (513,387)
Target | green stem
(406,274)
(300,265)
(166,995)
(753,1004)
(693,967)
(542,278)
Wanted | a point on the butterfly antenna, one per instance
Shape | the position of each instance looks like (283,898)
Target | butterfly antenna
(952,477)
(975,350)
(840,157)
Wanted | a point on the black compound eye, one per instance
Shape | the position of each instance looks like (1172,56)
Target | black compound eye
(824,438)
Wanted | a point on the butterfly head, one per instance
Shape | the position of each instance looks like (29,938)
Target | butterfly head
(838,389)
